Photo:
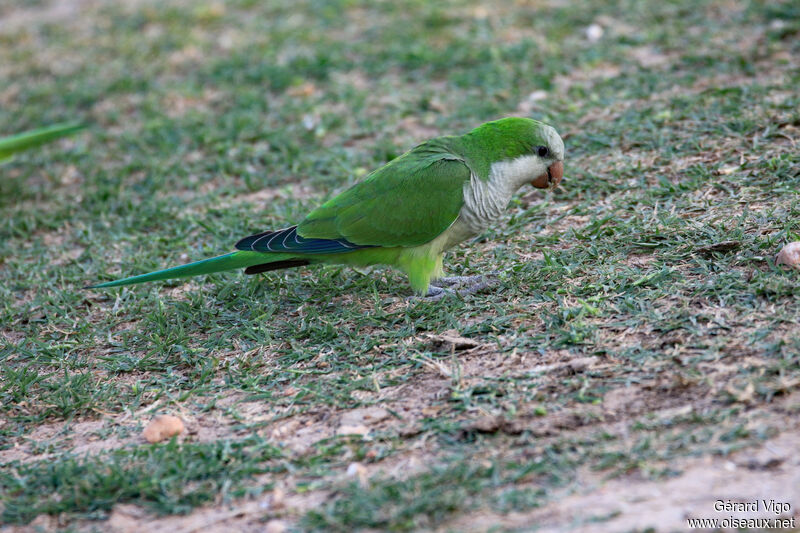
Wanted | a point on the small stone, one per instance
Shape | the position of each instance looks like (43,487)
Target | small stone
(536,96)
(594,32)
(789,255)
(163,427)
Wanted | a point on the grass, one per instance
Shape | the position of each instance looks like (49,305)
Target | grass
(166,477)
(210,121)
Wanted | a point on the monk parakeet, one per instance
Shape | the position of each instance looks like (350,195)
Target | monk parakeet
(408,212)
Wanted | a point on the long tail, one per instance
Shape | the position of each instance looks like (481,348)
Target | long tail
(220,263)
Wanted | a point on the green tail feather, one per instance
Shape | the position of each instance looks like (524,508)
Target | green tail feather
(220,263)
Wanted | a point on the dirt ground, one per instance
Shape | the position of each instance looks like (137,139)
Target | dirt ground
(625,502)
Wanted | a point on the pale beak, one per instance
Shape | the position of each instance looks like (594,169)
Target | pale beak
(551,178)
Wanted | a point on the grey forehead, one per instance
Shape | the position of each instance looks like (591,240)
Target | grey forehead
(554,141)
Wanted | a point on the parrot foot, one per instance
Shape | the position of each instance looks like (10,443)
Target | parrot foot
(459,285)
(436,293)
(465,281)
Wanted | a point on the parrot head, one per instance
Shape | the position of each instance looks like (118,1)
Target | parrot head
(544,150)
(524,150)
(555,170)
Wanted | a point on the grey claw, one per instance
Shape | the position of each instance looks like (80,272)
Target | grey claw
(459,285)
(465,281)
(434,294)
(437,293)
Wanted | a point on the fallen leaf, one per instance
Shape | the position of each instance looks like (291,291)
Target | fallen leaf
(451,338)
(789,255)
(163,427)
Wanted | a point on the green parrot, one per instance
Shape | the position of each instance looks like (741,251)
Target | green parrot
(408,212)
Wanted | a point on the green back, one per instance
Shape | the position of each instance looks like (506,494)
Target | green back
(408,202)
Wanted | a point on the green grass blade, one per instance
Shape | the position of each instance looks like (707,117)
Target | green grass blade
(30,139)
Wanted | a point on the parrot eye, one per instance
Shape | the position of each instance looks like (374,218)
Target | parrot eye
(542,151)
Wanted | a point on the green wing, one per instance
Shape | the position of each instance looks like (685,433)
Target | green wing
(408,202)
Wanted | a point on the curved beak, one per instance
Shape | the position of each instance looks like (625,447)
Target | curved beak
(551,178)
